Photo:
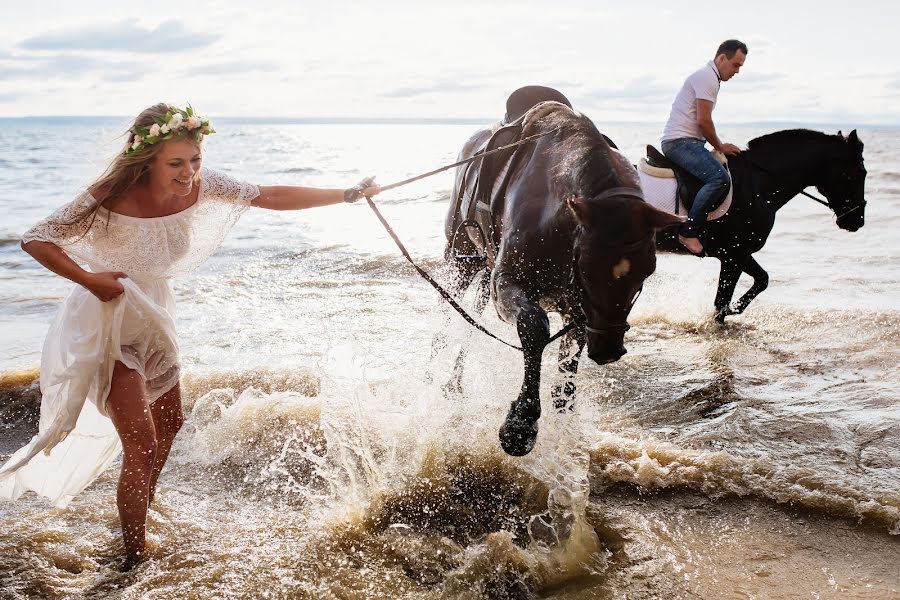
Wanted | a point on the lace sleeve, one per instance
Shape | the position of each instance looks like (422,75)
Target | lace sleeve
(66,225)
(153,247)
(226,188)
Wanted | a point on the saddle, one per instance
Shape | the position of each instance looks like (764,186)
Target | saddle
(525,98)
(509,131)
(657,165)
(485,181)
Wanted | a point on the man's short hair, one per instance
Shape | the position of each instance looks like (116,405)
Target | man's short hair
(729,47)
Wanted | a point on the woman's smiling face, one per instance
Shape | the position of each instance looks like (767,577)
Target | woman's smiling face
(175,166)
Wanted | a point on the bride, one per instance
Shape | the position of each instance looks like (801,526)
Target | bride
(155,213)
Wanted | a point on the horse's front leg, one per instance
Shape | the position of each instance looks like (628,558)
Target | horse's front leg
(570,348)
(760,282)
(729,273)
(519,430)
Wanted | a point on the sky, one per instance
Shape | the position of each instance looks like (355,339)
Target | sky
(821,62)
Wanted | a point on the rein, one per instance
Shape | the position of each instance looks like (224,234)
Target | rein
(478,155)
(617,191)
(445,294)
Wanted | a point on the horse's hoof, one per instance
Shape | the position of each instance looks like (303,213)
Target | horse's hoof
(451,390)
(563,397)
(517,436)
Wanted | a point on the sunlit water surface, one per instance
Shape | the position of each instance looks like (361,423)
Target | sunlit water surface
(321,457)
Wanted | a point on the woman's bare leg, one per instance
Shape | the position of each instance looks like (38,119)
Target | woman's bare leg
(131,416)
(167,419)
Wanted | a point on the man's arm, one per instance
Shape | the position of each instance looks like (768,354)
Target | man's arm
(708,128)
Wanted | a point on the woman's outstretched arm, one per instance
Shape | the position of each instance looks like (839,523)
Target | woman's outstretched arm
(291,197)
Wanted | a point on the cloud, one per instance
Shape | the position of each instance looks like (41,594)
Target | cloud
(561,84)
(755,78)
(169,36)
(8,97)
(70,66)
(434,88)
(753,81)
(758,42)
(646,89)
(235,67)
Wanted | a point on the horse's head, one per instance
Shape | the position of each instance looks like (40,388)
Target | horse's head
(843,184)
(614,253)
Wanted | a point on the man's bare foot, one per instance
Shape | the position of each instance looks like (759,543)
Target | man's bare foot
(691,243)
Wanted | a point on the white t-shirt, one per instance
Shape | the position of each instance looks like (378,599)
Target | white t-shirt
(700,85)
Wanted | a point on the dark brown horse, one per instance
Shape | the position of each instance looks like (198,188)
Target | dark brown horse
(570,234)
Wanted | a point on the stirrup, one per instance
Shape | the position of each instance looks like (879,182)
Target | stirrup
(478,257)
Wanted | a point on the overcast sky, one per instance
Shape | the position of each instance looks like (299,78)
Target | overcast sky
(814,62)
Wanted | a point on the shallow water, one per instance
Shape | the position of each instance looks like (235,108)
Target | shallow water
(322,459)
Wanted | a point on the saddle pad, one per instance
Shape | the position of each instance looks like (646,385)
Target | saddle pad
(645,167)
(660,192)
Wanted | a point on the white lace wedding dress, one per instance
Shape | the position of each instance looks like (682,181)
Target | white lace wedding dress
(88,336)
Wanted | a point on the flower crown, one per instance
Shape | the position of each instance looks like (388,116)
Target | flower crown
(177,124)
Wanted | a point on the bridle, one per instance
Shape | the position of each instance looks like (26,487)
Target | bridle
(838,217)
(826,203)
(575,279)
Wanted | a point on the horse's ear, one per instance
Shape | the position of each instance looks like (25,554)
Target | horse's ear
(853,138)
(660,219)
(840,134)
(579,207)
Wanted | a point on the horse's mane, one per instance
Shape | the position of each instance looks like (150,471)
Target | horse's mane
(777,142)
(790,145)
(584,167)
(584,163)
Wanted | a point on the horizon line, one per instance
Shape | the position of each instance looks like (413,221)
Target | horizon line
(397,120)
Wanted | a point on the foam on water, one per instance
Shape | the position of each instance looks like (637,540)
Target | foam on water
(655,465)
(322,456)
(392,474)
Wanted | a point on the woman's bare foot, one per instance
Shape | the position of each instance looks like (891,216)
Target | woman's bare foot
(131,561)
(692,244)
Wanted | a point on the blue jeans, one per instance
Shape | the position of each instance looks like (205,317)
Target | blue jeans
(691,155)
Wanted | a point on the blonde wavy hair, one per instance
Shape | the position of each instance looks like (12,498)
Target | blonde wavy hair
(127,170)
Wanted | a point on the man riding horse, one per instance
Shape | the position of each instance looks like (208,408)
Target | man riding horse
(690,126)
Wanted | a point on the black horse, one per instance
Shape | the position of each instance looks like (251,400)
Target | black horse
(570,233)
(774,169)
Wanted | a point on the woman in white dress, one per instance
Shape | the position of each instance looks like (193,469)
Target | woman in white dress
(153,215)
